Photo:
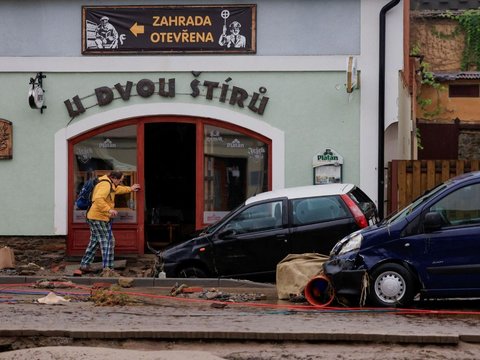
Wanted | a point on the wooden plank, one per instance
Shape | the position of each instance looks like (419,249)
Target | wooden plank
(474,165)
(390,192)
(445,170)
(430,174)
(460,167)
(402,184)
(416,179)
(411,178)
(408,185)
(423,176)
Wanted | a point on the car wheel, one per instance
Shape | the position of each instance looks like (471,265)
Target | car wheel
(391,285)
(192,272)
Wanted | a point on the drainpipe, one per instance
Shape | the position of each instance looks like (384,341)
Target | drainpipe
(381,107)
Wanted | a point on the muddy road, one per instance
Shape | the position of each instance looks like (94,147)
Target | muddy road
(252,326)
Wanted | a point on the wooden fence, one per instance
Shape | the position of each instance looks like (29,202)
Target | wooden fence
(408,179)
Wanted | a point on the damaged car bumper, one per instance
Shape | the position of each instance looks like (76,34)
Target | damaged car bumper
(346,278)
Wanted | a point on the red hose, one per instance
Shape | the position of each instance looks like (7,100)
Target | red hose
(322,307)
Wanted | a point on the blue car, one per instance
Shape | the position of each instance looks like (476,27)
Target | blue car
(430,248)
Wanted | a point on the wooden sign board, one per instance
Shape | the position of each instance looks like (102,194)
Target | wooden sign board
(6,140)
(117,30)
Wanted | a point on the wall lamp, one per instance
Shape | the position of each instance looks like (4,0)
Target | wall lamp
(36,96)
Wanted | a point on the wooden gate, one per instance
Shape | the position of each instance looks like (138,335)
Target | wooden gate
(408,179)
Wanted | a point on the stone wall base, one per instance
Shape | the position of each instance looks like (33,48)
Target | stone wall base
(40,250)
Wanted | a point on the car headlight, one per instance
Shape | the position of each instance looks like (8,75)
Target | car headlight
(352,244)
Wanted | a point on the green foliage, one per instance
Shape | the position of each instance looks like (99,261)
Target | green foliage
(428,79)
(469,24)
(415,50)
(419,139)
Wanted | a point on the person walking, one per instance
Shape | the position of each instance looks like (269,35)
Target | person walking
(99,219)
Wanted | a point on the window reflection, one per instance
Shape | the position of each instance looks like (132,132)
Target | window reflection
(260,217)
(236,167)
(461,207)
(111,150)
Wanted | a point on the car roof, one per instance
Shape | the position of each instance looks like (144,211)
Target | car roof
(302,192)
(461,177)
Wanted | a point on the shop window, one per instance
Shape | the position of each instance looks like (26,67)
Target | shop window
(111,150)
(235,168)
(463,90)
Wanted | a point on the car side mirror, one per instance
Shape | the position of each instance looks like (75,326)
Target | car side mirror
(432,221)
(225,234)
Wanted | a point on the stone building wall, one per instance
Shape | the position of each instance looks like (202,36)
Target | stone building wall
(41,251)
(469,145)
(442,54)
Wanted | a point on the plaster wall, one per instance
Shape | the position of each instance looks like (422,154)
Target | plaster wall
(464,108)
(301,27)
(308,108)
(300,118)
(369,66)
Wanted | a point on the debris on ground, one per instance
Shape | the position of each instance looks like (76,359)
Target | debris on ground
(125,282)
(109,297)
(53,299)
(7,258)
(213,294)
(54,284)
(29,269)
(109,273)
(101,285)
(297,298)
(177,289)
(191,290)
(217,305)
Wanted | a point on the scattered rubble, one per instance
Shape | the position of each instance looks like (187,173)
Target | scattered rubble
(54,284)
(213,294)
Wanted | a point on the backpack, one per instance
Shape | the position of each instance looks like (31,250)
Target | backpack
(84,199)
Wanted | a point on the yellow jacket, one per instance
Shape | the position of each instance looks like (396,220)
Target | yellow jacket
(103,199)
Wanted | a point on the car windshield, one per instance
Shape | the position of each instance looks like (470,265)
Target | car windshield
(409,208)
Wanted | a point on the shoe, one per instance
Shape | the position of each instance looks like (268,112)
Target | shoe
(86,269)
(77,272)
(107,272)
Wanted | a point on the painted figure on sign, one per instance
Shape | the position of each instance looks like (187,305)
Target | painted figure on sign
(106,36)
(234,39)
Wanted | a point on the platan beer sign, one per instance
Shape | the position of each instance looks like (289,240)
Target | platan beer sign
(327,167)
(167,29)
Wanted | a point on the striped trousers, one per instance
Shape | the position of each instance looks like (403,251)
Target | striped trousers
(100,235)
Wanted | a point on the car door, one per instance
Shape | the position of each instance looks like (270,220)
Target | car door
(318,223)
(253,241)
(452,253)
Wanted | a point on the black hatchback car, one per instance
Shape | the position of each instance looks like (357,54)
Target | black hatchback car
(251,240)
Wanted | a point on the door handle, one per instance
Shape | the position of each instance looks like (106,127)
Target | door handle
(281,236)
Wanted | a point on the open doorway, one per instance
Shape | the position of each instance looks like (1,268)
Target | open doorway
(169,182)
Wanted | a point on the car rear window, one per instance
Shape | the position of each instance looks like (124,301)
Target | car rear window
(318,209)
(363,201)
